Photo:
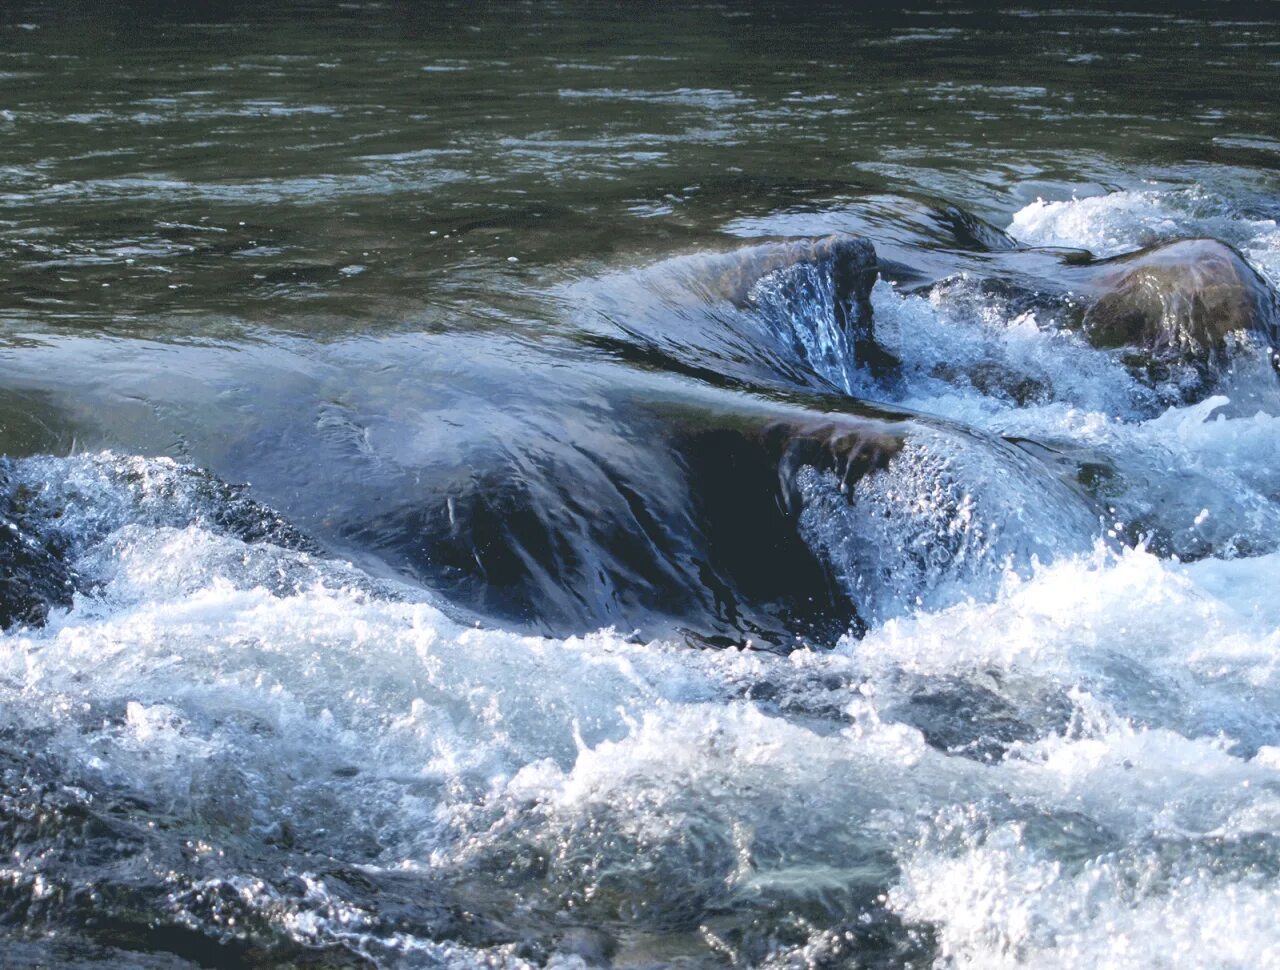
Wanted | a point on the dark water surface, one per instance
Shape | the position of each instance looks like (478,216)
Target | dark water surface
(508,327)
(283,167)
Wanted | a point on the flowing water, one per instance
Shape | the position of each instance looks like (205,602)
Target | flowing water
(447,526)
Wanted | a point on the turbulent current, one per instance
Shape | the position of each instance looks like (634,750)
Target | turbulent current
(823,574)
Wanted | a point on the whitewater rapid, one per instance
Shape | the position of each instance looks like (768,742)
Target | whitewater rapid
(1053,753)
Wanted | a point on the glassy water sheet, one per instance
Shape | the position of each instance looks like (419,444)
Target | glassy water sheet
(577,486)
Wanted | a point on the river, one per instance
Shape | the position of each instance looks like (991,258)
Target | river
(585,485)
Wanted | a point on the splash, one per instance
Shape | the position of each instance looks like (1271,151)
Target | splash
(991,783)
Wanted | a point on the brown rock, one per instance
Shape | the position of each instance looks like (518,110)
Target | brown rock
(1177,303)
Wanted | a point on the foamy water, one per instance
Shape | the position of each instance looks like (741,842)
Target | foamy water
(1108,225)
(1057,745)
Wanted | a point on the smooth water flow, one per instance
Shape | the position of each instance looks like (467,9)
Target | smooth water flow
(585,486)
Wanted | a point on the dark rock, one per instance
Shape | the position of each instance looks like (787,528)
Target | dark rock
(972,232)
(979,717)
(848,265)
(34,571)
(33,577)
(850,260)
(755,314)
(685,526)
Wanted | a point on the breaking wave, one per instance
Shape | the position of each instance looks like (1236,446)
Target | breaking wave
(1054,740)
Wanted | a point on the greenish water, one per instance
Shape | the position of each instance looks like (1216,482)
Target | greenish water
(242,165)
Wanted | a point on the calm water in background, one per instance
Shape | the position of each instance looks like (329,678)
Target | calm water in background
(284,167)
(326,248)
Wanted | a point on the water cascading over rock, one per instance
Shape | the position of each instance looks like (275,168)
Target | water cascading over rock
(1182,303)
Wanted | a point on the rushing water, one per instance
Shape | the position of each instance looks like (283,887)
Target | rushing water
(450,520)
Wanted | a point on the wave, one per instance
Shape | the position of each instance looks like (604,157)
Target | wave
(999,686)
(275,753)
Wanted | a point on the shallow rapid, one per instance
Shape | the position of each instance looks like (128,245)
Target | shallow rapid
(472,510)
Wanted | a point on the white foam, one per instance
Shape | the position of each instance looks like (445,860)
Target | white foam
(1002,905)
(659,784)
(968,356)
(1202,478)
(944,521)
(1119,222)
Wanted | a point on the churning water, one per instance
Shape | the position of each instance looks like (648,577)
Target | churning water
(582,487)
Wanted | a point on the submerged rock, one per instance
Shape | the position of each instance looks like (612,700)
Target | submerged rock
(683,523)
(794,313)
(713,515)
(1181,304)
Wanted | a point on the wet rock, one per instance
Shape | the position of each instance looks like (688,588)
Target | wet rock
(979,716)
(989,378)
(794,313)
(832,276)
(1181,304)
(851,261)
(683,526)
(762,575)
(34,577)
(587,943)
(34,572)
(971,232)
